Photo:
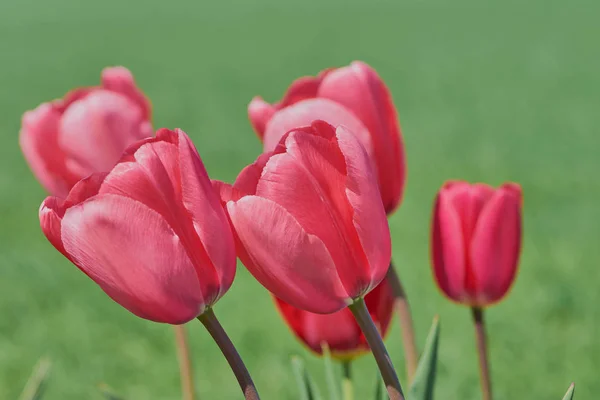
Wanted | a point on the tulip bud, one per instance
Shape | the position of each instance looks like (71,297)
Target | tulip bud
(353,96)
(151,232)
(339,330)
(309,220)
(66,140)
(476,241)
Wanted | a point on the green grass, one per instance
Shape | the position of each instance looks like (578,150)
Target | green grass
(487,91)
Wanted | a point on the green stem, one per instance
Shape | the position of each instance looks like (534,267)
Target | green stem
(390,378)
(347,389)
(411,354)
(210,321)
(185,363)
(484,368)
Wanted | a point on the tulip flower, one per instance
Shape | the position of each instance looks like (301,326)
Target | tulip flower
(85,132)
(476,241)
(312,229)
(354,96)
(153,235)
(339,331)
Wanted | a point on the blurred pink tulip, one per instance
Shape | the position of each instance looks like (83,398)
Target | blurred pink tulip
(309,219)
(353,96)
(66,140)
(151,232)
(339,330)
(476,241)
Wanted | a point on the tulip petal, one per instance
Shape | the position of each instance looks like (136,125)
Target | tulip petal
(363,194)
(305,112)
(134,256)
(51,212)
(120,80)
(39,142)
(358,88)
(291,263)
(259,113)
(247,179)
(96,129)
(209,219)
(448,249)
(496,245)
(309,182)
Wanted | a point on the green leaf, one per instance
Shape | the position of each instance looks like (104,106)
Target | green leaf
(570,392)
(380,389)
(307,387)
(108,393)
(424,380)
(332,382)
(36,384)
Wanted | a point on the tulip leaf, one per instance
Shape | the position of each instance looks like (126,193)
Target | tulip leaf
(332,382)
(36,384)
(570,392)
(307,387)
(380,389)
(424,380)
(108,393)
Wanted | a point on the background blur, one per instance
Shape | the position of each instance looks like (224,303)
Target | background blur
(486,91)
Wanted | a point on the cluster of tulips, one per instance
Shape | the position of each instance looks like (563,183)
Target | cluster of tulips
(137,212)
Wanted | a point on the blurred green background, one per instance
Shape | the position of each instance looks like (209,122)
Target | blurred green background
(487,91)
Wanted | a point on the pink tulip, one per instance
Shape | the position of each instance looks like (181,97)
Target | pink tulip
(339,330)
(151,232)
(309,220)
(66,140)
(476,241)
(353,96)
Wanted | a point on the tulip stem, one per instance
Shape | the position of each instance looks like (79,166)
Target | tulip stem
(347,389)
(484,369)
(411,354)
(210,321)
(384,362)
(185,364)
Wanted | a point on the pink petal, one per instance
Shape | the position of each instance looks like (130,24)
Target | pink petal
(305,112)
(226,191)
(289,262)
(247,180)
(204,207)
(359,89)
(302,88)
(369,217)
(259,113)
(96,130)
(448,249)
(309,182)
(120,80)
(51,212)
(39,142)
(496,245)
(135,257)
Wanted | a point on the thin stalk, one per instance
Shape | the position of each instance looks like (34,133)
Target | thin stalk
(185,363)
(347,388)
(210,321)
(390,378)
(411,354)
(484,368)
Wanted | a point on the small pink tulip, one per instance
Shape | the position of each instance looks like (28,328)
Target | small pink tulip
(353,96)
(309,220)
(476,241)
(151,232)
(66,140)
